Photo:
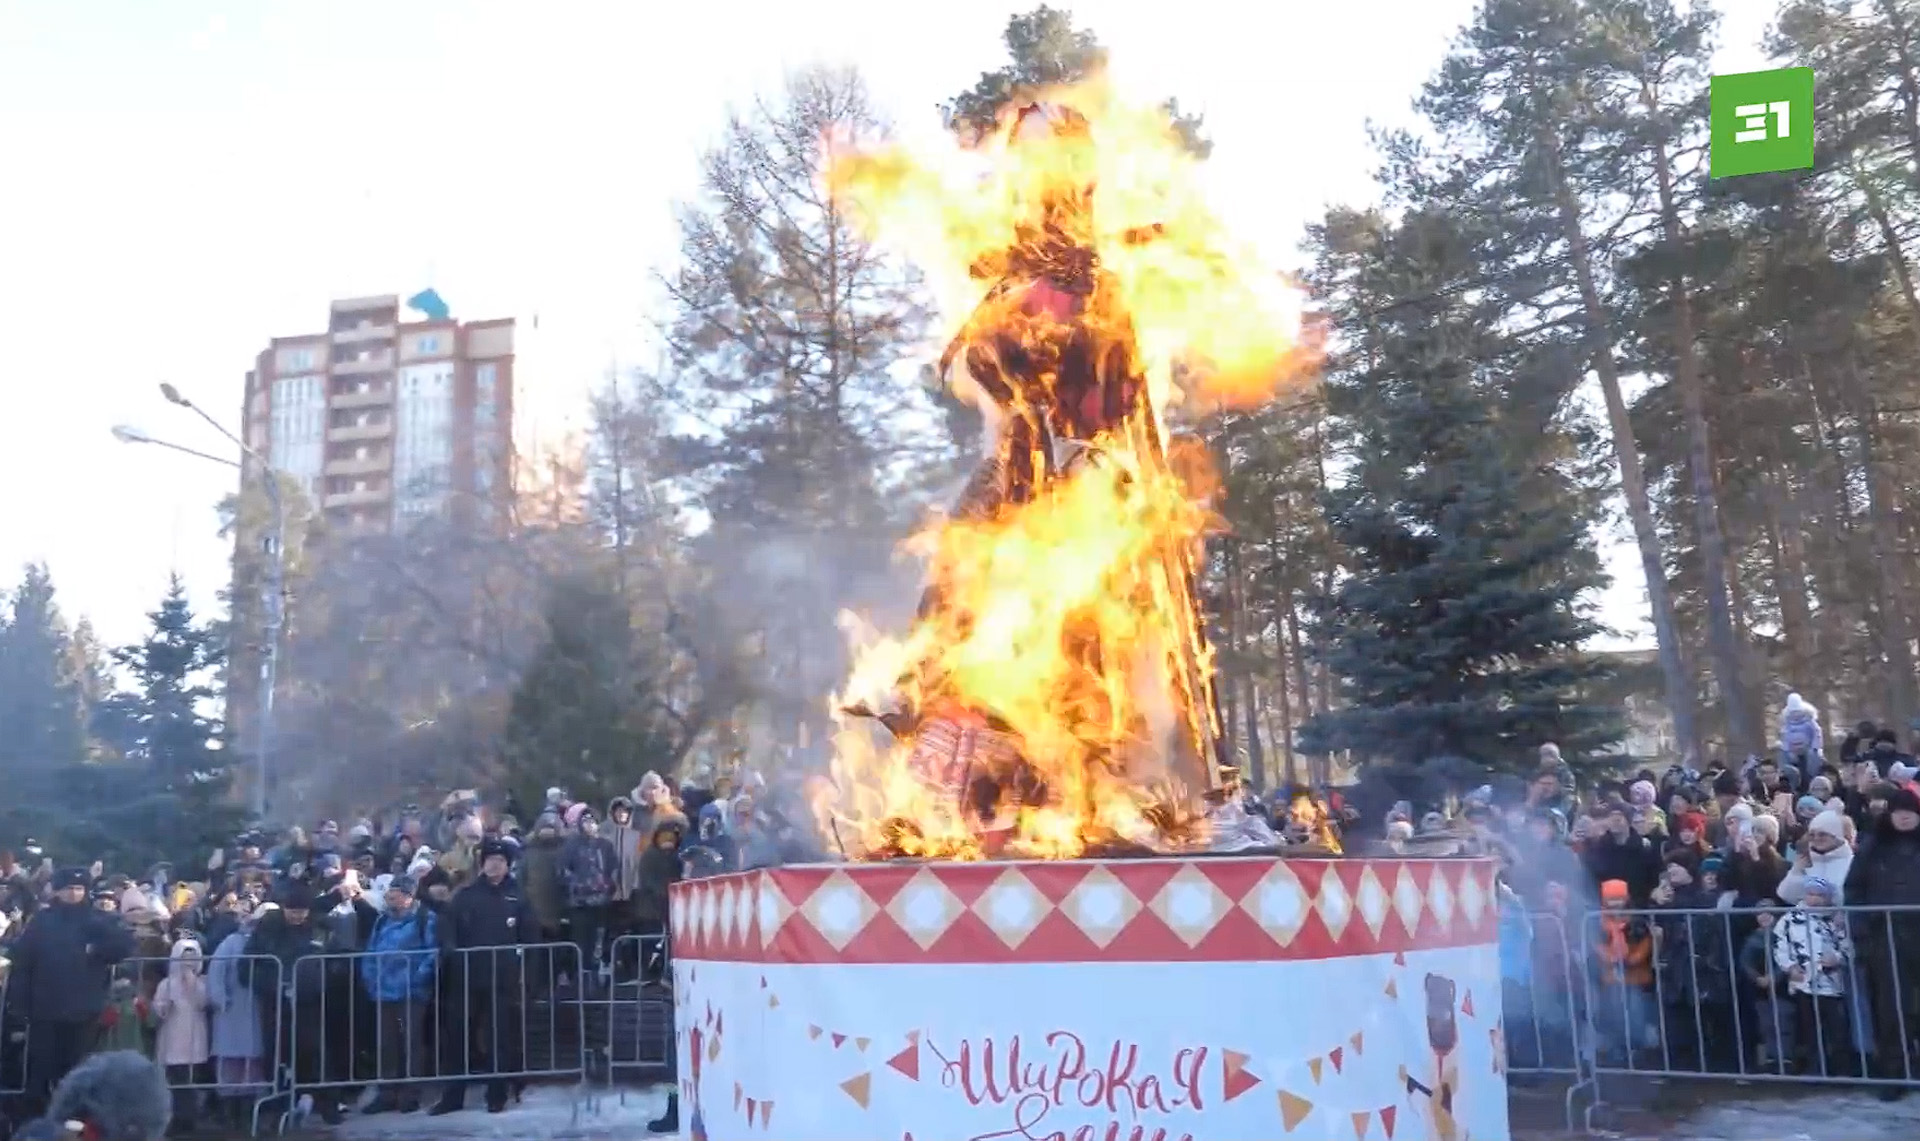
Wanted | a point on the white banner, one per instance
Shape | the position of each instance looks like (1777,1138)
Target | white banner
(1389,1046)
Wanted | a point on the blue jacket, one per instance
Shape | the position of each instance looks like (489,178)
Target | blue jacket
(402,955)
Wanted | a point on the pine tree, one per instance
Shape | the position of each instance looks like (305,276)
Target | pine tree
(183,773)
(43,697)
(1458,631)
(591,714)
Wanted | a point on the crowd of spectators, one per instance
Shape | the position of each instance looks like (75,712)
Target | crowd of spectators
(358,967)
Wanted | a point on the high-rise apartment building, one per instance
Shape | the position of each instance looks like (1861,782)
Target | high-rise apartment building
(384,421)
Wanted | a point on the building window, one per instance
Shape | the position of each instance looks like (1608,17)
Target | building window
(427,344)
(484,376)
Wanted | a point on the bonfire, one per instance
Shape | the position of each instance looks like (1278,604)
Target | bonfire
(1054,697)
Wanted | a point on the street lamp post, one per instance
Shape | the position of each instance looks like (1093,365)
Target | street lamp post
(273,596)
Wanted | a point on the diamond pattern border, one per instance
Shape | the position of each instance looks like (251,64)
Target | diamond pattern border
(1225,909)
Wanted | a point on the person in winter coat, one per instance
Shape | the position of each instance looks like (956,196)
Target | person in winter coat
(753,844)
(63,966)
(1886,873)
(629,843)
(183,1045)
(540,876)
(1811,944)
(1800,737)
(1624,1013)
(286,974)
(236,1042)
(660,869)
(399,973)
(484,927)
(1824,853)
(589,868)
(1619,853)
(1763,987)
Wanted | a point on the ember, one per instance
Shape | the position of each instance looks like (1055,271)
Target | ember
(1054,698)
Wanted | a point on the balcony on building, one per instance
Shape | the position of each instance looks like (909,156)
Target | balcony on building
(359,496)
(362,332)
(364,394)
(353,312)
(360,362)
(371,429)
(360,461)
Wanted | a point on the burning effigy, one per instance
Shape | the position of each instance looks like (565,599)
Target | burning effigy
(1055,695)
(1028,777)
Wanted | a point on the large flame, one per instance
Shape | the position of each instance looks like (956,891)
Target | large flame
(1067,621)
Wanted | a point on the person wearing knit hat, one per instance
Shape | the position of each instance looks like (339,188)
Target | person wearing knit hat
(61,974)
(1823,854)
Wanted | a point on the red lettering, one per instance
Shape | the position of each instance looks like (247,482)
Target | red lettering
(1070,1066)
(1187,1065)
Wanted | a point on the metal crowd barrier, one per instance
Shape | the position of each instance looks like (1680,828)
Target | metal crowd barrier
(631,1018)
(495,1016)
(1829,997)
(238,1086)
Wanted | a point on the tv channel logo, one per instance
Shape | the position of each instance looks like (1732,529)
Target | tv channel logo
(1762,122)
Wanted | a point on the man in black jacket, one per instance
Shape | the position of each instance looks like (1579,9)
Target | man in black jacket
(63,967)
(484,927)
(292,993)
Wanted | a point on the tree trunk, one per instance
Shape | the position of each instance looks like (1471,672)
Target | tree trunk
(1674,671)
(1797,629)
(1722,641)
(1896,631)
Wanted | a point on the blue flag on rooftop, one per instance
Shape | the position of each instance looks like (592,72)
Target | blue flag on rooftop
(428,302)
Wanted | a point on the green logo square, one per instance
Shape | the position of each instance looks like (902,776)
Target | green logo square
(1762,122)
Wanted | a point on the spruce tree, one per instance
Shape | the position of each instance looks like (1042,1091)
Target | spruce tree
(175,777)
(1458,630)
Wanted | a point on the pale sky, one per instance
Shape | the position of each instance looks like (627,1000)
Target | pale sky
(186,179)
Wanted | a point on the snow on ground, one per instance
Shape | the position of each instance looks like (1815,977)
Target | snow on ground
(561,1113)
(1819,1116)
(552,1113)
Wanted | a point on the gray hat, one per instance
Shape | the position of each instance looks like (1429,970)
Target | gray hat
(403,884)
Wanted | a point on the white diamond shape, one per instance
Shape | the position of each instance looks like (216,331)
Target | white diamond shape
(743,907)
(1440,898)
(773,908)
(1333,903)
(839,910)
(925,908)
(1278,903)
(1100,906)
(707,900)
(1407,902)
(1013,907)
(1371,900)
(723,914)
(1473,898)
(1191,905)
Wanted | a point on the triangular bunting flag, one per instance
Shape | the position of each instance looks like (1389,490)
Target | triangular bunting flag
(1357,1041)
(737,1095)
(773,1002)
(1235,1080)
(1403,1075)
(1335,1055)
(1387,1115)
(1313,1067)
(763,982)
(1360,1122)
(753,1107)
(860,1044)
(814,1032)
(839,1040)
(907,1062)
(1393,989)
(1466,1004)
(719,1023)
(1293,1110)
(766,1115)
(1399,958)
(859,1088)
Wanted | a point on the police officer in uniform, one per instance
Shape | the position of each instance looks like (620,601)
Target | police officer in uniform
(484,927)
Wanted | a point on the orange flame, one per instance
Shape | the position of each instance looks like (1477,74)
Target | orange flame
(1311,820)
(1066,633)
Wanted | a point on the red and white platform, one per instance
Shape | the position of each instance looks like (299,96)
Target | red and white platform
(1217,999)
